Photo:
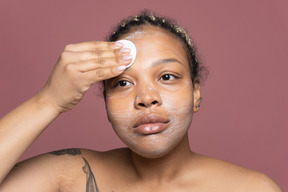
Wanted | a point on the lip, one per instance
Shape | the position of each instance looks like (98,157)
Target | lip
(150,124)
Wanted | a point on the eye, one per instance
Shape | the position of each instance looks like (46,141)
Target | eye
(168,77)
(122,83)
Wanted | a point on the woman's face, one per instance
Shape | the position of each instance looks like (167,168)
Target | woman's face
(150,105)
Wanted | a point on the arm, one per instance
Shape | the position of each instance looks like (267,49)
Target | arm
(41,173)
(20,128)
(79,67)
(56,171)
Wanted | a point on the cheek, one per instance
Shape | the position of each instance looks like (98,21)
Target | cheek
(180,101)
(117,108)
(179,105)
(119,113)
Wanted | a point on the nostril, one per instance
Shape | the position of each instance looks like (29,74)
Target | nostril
(148,105)
(154,102)
(141,104)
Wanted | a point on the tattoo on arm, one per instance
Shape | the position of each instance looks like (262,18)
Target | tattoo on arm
(91,185)
(67,151)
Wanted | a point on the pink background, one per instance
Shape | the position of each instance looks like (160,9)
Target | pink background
(243,118)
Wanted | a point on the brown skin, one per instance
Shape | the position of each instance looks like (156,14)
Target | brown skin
(153,162)
(158,83)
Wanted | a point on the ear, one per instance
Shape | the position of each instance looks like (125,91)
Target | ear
(197,95)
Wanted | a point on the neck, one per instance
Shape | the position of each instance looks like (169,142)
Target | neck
(165,168)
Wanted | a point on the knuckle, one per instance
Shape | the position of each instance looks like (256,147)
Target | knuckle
(98,52)
(69,68)
(119,60)
(113,72)
(100,60)
(85,88)
(68,47)
(64,55)
(116,52)
(77,98)
(99,72)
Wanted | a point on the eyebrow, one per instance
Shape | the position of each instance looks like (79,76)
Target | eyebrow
(164,61)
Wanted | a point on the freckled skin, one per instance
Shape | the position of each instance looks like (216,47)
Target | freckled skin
(174,97)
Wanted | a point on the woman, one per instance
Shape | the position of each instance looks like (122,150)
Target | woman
(150,106)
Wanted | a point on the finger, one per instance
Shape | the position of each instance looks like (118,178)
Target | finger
(92,45)
(73,57)
(101,74)
(94,64)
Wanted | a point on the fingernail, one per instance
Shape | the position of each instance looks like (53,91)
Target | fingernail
(125,50)
(127,57)
(121,68)
(119,44)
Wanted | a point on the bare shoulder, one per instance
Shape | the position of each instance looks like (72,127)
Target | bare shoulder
(235,177)
(49,172)
(262,182)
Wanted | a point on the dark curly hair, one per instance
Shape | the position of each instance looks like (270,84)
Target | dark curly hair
(130,24)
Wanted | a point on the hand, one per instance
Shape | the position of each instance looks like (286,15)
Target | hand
(79,67)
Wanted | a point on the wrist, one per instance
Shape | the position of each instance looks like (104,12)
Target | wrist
(45,102)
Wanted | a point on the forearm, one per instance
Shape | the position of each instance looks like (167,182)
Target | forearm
(20,128)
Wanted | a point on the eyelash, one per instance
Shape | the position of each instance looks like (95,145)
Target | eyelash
(117,84)
(170,75)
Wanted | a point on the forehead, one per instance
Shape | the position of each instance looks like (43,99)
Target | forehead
(150,32)
(154,41)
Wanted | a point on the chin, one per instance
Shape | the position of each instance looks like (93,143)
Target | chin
(151,153)
(154,147)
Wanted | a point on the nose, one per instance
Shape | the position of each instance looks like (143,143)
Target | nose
(147,98)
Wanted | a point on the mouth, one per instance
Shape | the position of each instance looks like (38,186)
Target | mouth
(151,124)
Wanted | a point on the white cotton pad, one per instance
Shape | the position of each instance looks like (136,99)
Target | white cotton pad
(132,47)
